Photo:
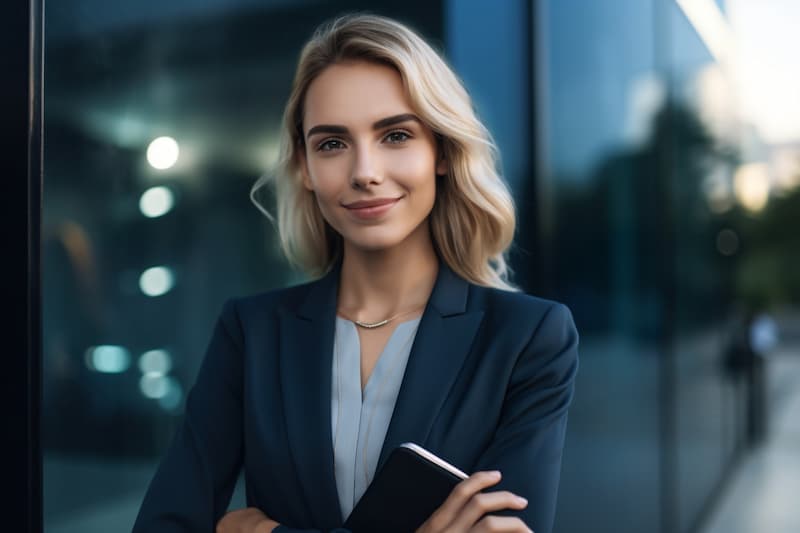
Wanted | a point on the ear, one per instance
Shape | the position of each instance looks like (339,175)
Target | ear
(441,160)
(441,166)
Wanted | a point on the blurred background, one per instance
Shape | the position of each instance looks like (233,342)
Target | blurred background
(653,149)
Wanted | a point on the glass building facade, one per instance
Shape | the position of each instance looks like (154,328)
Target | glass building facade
(648,200)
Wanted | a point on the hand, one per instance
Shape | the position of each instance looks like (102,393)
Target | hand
(464,509)
(248,520)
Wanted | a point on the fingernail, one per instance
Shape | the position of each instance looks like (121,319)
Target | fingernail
(522,500)
(495,474)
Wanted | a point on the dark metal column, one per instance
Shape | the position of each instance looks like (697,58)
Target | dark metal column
(21,164)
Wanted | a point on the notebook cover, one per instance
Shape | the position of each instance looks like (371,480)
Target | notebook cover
(404,493)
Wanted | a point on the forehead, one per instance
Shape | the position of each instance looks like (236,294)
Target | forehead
(355,94)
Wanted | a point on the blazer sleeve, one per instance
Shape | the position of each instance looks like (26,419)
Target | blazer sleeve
(527,445)
(193,484)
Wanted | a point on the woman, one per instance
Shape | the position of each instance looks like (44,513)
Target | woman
(389,195)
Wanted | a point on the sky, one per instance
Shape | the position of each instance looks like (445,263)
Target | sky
(767,43)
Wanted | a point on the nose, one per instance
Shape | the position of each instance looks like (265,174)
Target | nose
(366,169)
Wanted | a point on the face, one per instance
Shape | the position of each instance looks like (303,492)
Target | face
(369,159)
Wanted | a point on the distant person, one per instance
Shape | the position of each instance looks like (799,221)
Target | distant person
(411,332)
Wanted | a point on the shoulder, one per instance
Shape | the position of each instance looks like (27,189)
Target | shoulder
(536,329)
(519,307)
(541,334)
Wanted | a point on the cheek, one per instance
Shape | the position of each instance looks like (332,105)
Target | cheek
(426,193)
(417,171)
(326,176)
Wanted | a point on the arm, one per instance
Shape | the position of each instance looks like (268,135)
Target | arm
(527,445)
(194,482)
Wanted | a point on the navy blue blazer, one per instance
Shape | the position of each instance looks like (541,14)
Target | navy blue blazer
(487,386)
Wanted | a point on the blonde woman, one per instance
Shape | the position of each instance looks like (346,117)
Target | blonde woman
(388,194)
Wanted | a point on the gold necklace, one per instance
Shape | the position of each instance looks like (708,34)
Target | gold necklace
(370,325)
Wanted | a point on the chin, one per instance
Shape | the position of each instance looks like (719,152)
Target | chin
(374,245)
(376,241)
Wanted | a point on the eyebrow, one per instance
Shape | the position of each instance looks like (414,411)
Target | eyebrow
(380,124)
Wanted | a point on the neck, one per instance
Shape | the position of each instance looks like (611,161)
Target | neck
(377,284)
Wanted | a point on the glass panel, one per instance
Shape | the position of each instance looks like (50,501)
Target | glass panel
(667,196)
(599,95)
(700,152)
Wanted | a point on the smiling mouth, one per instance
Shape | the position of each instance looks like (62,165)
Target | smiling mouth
(373,208)
(365,204)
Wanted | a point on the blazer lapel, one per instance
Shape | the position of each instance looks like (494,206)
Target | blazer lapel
(306,351)
(442,342)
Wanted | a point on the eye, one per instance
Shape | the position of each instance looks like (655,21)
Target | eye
(330,145)
(398,136)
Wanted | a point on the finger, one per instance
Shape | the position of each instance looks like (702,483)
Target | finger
(460,495)
(500,524)
(486,502)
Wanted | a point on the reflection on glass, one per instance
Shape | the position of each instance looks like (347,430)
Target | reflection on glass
(108,359)
(162,153)
(156,201)
(155,362)
(156,281)
(664,207)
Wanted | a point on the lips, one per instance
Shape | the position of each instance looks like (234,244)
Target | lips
(373,209)
(377,202)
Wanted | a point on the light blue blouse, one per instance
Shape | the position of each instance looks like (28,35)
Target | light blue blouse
(359,424)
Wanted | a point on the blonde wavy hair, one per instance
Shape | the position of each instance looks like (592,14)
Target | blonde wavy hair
(473,218)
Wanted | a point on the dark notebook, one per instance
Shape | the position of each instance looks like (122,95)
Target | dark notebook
(410,486)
